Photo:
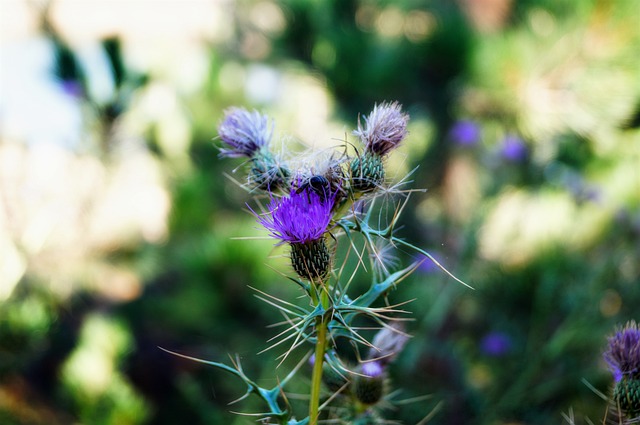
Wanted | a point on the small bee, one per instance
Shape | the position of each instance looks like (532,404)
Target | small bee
(319,184)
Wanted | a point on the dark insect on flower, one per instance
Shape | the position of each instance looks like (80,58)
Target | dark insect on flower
(318,184)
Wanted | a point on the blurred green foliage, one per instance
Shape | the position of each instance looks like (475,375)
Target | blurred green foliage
(536,204)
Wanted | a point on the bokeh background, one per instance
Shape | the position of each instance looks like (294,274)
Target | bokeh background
(120,228)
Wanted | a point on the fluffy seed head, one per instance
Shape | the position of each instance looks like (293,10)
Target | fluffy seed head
(244,133)
(384,128)
(623,351)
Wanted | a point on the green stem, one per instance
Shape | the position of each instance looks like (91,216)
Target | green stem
(316,378)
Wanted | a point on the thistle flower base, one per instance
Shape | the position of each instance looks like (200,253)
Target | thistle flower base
(626,395)
(311,260)
(367,172)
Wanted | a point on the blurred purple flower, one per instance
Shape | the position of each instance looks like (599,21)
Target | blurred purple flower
(244,132)
(513,148)
(623,352)
(496,344)
(465,133)
(384,128)
(299,218)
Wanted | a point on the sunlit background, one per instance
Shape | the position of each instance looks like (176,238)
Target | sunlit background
(120,228)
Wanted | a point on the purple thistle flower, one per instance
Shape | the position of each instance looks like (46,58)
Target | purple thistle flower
(465,133)
(384,128)
(299,218)
(623,351)
(513,148)
(244,132)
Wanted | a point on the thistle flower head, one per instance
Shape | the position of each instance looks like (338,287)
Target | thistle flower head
(300,218)
(244,133)
(623,351)
(384,128)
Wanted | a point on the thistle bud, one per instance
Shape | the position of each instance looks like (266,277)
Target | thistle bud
(367,172)
(267,173)
(369,383)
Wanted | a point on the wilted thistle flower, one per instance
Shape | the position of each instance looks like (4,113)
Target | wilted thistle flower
(385,127)
(623,357)
(248,134)
(301,219)
(388,343)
